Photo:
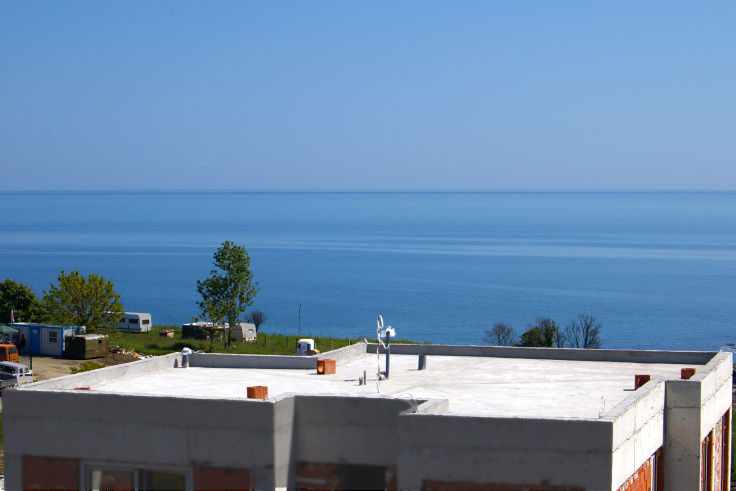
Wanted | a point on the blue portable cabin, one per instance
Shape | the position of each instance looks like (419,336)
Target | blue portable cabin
(45,339)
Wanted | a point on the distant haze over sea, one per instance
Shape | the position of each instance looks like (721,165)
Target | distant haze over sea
(657,269)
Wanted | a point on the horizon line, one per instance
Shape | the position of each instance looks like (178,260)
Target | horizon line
(370,191)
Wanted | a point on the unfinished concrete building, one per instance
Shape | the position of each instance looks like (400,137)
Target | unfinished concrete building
(473,418)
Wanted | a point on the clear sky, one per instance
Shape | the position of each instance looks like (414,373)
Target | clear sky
(367,95)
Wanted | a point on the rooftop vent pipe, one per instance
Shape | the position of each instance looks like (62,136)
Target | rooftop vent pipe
(185,357)
(422,362)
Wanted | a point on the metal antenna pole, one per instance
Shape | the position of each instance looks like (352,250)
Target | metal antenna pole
(388,351)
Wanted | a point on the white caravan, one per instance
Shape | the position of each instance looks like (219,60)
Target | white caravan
(135,322)
(243,332)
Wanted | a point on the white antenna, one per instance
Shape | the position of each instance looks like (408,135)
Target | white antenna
(382,334)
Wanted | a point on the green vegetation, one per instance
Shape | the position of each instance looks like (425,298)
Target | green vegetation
(229,289)
(26,306)
(151,343)
(80,301)
(87,366)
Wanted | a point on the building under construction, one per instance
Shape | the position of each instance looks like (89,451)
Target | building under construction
(447,417)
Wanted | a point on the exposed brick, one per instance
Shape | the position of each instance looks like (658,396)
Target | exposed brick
(220,478)
(686,373)
(641,480)
(326,367)
(257,392)
(50,473)
(640,380)
(330,476)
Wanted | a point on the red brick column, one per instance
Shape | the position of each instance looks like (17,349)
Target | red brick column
(218,478)
(50,473)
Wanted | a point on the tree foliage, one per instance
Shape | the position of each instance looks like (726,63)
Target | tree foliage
(539,335)
(502,334)
(80,301)
(229,289)
(25,304)
(583,332)
(256,317)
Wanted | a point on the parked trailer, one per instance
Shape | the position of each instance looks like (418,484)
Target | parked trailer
(243,332)
(135,322)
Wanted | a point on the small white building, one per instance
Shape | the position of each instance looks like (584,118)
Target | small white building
(135,322)
(304,346)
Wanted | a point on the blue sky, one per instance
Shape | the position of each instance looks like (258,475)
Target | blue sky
(369,95)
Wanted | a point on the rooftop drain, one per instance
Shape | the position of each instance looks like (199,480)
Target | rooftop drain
(257,392)
(326,367)
(686,373)
(640,380)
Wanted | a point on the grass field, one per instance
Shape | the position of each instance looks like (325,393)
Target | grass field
(152,343)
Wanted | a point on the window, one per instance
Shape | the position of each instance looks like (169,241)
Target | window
(12,350)
(133,321)
(99,479)
(145,322)
(53,337)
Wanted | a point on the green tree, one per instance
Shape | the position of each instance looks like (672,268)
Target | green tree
(80,301)
(25,304)
(539,335)
(229,290)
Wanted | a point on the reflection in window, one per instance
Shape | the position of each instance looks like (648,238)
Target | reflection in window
(108,480)
(135,480)
(156,480)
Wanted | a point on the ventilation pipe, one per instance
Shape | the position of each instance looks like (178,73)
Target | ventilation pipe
(185,357)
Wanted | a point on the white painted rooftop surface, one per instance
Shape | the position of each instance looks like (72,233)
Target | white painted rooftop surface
(478,386)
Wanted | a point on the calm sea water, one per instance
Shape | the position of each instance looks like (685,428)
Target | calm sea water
(657,269)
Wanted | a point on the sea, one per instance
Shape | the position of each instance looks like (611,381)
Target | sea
(657,269)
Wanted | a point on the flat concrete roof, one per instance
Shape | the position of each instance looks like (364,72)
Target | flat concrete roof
(475,386)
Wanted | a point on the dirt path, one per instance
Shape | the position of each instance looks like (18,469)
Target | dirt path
(45,368)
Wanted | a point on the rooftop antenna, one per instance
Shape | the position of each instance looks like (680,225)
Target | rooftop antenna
(382,334)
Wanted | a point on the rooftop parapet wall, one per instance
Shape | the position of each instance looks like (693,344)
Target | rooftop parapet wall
(638,423)
(225,360)
(86,379)
(572,354)
(693,407)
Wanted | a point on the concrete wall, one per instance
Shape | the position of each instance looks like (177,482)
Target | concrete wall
(85,379)
(346,353)
(693,407)
(329,428)
(638,423)
(488,451)
(138,430)
(625,356)
(221,360)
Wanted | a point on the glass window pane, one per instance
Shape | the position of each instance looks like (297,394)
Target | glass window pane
(157,480)
(109,480)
